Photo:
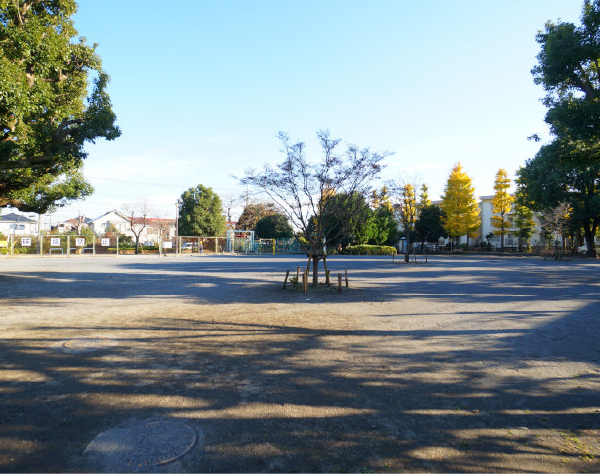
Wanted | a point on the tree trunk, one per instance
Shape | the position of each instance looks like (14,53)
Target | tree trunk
(589,240)
(315,281)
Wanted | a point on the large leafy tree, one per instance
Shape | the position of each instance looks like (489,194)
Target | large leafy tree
(557,174)
(254,212)
(46,114)
(501,204)
(302,189)
(568,168)
(460,208)
(201,213)
(274,226)
(429,226)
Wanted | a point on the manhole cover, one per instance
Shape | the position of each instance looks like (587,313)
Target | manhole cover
(86,343)
(143,446)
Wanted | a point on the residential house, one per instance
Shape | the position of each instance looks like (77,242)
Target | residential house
(148,235)
(115,219)
(156,230)
(71,225)
(18,224)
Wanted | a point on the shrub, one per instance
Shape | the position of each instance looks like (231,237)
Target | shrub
(370,250)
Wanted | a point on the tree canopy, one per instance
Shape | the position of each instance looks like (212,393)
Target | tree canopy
(201,213)
(253,212)
(555,176)
(568,168)
(429,226)
(274,226)
(46,114)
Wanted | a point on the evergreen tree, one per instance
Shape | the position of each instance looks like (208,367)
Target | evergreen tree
(568,169)
(274,226)
(49,109)
(501,204)
(459,205)
(429,226)
(201,213)
(524,223)
(254,212)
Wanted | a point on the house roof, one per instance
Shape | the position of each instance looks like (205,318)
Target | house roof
(12,217)
(75,221)
(120,214)
(153,221)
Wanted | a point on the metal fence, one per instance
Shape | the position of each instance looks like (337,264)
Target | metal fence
(59,245)
(71,245)
(210,245)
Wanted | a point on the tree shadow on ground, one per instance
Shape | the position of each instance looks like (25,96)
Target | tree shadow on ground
(249,281)
(274,392)
(280,398)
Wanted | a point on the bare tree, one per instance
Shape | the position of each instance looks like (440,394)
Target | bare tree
(138,213)
(555,220)
(313,195)
(229,202)
(161,226)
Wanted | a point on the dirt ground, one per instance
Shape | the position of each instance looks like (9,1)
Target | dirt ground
(463,364)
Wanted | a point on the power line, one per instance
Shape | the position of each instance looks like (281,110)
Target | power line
(130,181)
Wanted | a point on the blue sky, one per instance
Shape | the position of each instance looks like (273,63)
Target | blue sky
(201,88)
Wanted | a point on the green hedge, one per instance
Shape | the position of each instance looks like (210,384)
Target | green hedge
(370,250)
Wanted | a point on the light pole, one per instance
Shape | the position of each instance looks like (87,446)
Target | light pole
(177,204)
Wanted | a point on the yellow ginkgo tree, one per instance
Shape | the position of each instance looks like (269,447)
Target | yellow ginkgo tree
(501,204)
(460,207)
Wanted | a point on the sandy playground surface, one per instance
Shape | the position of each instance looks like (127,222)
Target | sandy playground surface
(204,364)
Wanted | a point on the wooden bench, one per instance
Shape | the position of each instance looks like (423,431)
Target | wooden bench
(556,254)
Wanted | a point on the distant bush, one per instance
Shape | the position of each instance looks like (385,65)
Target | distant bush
(370,250)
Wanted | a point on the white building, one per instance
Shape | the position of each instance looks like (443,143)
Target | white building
(486,209)
(71,224)
(511,241)
(18,224)
(115,219)
(149,235)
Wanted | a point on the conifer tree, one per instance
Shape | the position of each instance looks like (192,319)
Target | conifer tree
(501,204)
(461,210)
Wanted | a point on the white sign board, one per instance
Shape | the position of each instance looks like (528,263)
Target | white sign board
(55,242)
(105,242)
(167,245)
(25,242)
(80,242)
